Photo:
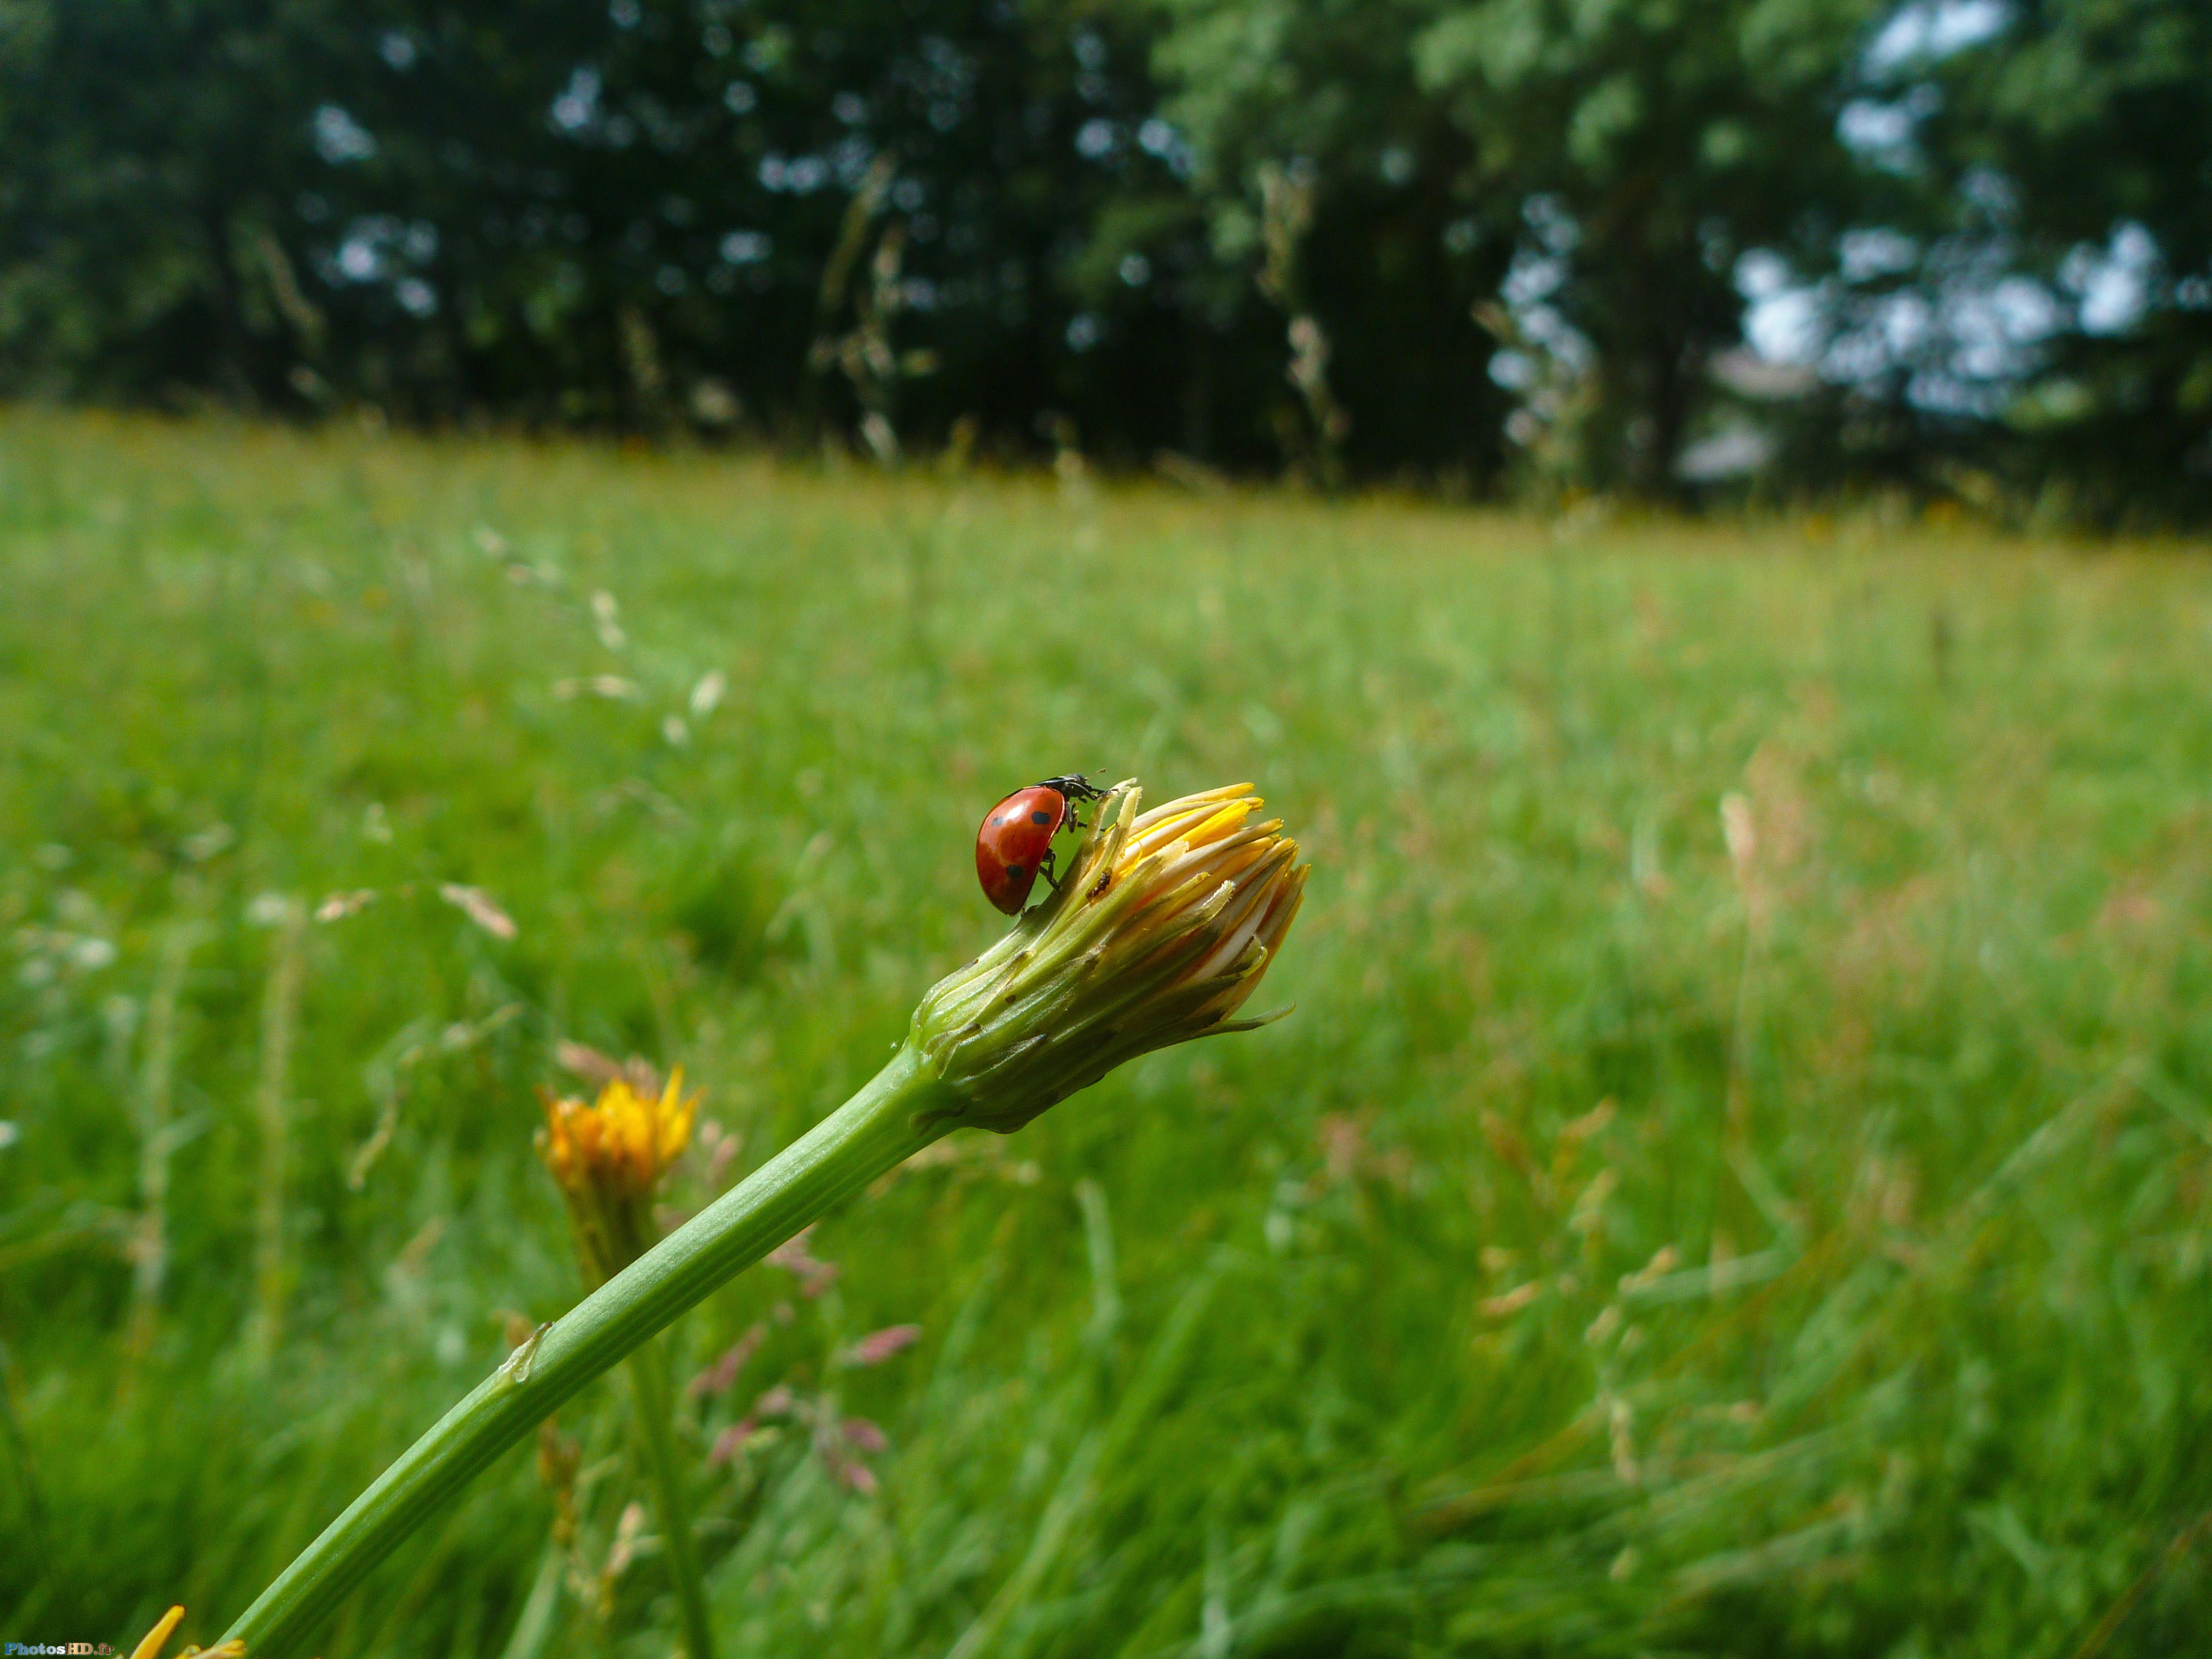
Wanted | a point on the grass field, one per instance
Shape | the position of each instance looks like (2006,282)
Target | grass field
(1736,1181)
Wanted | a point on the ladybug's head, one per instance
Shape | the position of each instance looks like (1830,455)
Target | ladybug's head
(1073,785)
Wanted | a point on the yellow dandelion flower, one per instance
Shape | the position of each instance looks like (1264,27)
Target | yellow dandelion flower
(621,1143)
(607,1158)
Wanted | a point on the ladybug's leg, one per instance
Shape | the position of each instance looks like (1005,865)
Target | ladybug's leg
(1044,868)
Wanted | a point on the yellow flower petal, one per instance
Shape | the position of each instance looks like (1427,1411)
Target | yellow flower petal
(158,1637)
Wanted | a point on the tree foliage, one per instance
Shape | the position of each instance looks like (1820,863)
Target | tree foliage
(1473,239)
(2086,126)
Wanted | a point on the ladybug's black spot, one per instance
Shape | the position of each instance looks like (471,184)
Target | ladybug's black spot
(1040,818)
(1013,872)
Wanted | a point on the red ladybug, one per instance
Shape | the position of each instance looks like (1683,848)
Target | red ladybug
(1015,841)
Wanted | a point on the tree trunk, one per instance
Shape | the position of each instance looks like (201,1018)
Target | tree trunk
(233,373)
(1667,412)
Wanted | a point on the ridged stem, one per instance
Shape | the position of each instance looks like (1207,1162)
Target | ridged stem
(873,1132)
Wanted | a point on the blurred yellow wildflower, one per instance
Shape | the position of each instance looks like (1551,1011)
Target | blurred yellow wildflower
(607,1158)
(621,1143)
(1159,934)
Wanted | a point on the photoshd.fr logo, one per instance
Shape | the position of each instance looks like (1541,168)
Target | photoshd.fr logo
(94,1648)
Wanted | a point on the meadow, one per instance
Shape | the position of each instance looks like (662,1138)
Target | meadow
(1735,1182)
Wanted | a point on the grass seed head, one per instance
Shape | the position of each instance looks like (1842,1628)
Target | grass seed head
(1161,930)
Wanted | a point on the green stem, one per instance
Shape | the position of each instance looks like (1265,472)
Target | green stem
(874,1130)
(648,1376)
(536,1622)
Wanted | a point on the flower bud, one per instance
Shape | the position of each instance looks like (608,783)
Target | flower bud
(1158,932)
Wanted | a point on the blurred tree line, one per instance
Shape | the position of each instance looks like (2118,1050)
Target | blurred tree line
(1667,246)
